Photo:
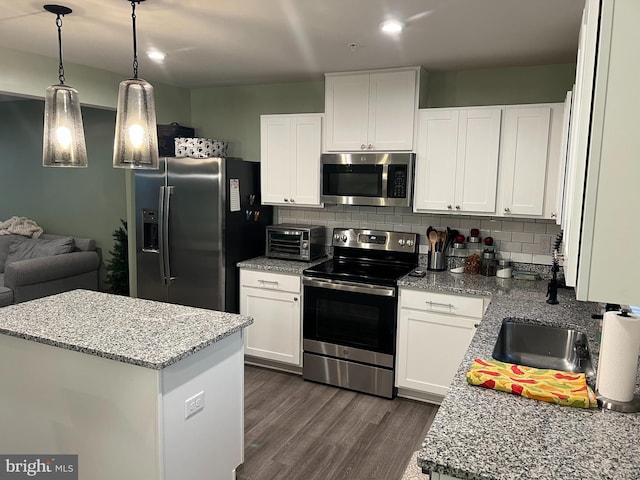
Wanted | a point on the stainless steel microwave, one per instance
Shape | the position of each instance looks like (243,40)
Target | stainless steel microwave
(378,179)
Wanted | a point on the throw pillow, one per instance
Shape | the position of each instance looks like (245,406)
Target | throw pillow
(35,248)
(5,243)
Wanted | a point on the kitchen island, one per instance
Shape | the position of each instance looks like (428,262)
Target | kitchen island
(483,434)
(137,389)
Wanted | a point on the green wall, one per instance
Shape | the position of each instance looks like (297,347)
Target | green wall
(233,113)
(90,202)
(500,86)
(84,202)
(87,202)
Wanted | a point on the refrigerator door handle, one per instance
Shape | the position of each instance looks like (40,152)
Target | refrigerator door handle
(165,240)
(161,234)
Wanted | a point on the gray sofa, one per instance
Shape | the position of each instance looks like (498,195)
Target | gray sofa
(34,268)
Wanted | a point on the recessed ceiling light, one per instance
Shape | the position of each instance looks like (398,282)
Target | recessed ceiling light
(156,55)
(391,27)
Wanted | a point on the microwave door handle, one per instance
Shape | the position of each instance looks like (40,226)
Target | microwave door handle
(385,180)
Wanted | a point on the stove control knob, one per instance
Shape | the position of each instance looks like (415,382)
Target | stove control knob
(409,243)
(401,242)
(343,238)
(336,237)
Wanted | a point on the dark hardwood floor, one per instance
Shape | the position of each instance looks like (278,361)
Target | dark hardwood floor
(297,430)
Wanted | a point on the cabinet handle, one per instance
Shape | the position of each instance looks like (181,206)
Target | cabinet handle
(553,215)
(363,147)
(457,207)
(507,209)
(286,199)
(476,325)
(437,304)
(292,200)
(449,207)
(270,282)
(370,147)
(295,299)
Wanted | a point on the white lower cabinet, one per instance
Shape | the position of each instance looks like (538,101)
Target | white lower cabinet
(274,301)
(434,332)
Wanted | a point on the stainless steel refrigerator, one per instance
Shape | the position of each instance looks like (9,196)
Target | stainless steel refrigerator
(195,219)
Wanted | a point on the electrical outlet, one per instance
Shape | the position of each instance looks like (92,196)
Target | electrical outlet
(194,404)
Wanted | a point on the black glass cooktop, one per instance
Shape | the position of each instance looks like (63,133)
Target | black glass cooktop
(356,270)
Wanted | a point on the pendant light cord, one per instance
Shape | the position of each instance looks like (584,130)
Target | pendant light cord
(60,65)
(135,40)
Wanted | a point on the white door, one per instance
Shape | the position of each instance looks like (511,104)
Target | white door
(477,163)
(524,159)
(347,110)
(430,349)
(306,147)
(436,159)
(392,110)
(275,333)
(275,161)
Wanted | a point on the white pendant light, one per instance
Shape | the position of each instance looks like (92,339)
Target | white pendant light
(136,142)
(63,141)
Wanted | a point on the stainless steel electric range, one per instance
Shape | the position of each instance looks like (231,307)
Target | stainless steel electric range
(350,310)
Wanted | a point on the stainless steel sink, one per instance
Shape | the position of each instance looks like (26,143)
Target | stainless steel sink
(541,346)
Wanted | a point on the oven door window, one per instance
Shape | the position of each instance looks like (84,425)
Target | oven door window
(351,319)
(352,180)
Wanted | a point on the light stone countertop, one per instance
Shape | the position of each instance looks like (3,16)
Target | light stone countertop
(488,435)
(480,433)
(279,266)
(140,332)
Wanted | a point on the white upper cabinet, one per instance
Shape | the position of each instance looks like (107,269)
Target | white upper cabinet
(579,139)
(530,161)
(290,159)
(457,160)
(371,111)
(609,267)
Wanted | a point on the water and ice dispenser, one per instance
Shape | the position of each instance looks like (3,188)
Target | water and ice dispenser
(150,230)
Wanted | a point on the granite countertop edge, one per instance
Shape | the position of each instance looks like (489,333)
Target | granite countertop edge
(124,358)
(138,332)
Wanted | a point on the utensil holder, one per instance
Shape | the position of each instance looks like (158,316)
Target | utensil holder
(437,261)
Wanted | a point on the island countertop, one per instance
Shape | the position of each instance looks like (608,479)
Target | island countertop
(140,332)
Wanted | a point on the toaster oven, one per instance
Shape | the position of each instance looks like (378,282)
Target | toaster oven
(295,242)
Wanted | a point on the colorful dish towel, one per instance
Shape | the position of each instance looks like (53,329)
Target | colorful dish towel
(553,386)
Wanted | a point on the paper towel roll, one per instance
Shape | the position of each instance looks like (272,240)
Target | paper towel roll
(619,350)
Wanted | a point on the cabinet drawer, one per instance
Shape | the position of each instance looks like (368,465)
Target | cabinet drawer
(442,303)
(271,281)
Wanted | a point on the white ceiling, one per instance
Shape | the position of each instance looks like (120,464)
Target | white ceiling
(220,42)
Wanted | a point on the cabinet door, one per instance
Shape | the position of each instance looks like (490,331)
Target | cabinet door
(524,159)
(392,110)
(579,138)
(306,147)
(275,333)
(562,163)
(275,161)
(430,349)
(477,162)
(436,159)
(347,110)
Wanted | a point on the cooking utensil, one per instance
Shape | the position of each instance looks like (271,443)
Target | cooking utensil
(433,238)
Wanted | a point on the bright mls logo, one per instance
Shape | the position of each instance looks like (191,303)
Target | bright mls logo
(50,467)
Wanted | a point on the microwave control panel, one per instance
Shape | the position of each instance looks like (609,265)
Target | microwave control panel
(397,181)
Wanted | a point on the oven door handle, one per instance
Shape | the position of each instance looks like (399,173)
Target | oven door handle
(349,286)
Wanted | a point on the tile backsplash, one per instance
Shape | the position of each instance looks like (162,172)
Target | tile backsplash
(521,240)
